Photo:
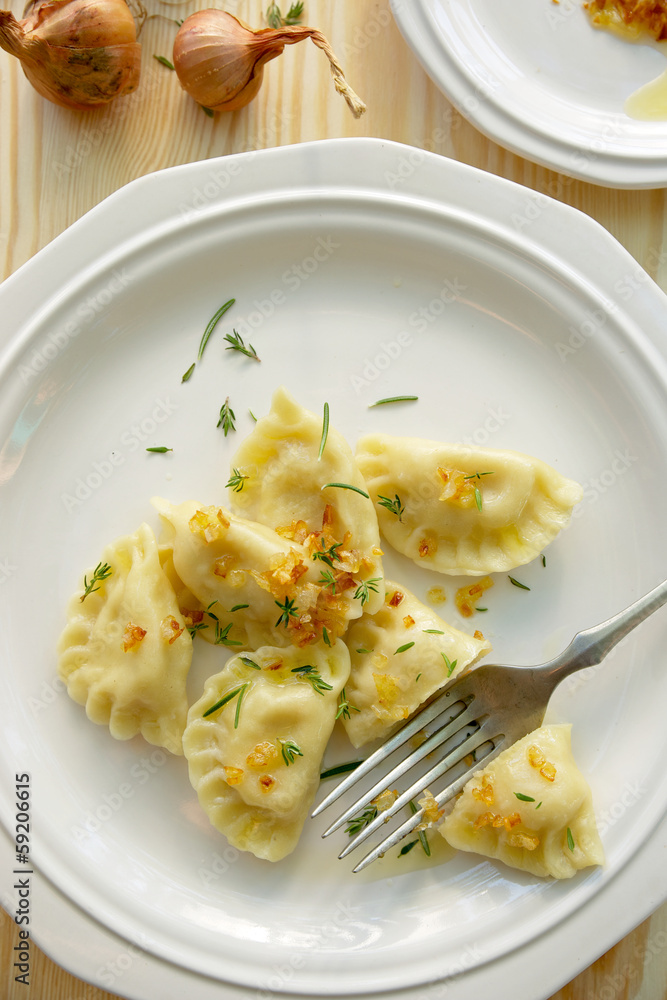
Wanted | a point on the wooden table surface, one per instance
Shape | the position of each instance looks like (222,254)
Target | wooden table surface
(56,164)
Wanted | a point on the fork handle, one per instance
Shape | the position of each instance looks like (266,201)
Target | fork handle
(593,644)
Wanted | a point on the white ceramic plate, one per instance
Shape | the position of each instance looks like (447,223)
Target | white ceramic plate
(543,336)
(536,77)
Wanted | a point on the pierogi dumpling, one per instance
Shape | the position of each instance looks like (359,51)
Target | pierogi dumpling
(531,808)
(263,589)
(283,489)
(400,656)
(255,741)
(465,510)
(125,652)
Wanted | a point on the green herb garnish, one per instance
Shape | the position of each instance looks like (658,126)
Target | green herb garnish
(515,583)
(212,323)
(393,506)
(290,750)
(236,481)
(327,579)
(407,848)
(344,707)
(288,609)
(101,572)
(309,673)
(570,839)
(207,111)
(394,399)
(237,692)
(364,588)
(346,486)
(246,661)
(186,377)
(164,61)
(451,665)
(160,451)
(524,798)
(325,431)
(235,341)
(333,772)
(327,555)
(222,635)
(402,649)
(357,823)
(227,418)
(423,839)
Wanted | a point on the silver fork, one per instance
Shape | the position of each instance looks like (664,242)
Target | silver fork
(482,713)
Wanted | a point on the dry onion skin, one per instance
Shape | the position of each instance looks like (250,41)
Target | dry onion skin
(77,53)
(220,60)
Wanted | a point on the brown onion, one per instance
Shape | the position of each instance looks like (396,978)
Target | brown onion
(76,53)
(220,60)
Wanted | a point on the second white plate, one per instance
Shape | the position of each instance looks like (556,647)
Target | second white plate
(536,77)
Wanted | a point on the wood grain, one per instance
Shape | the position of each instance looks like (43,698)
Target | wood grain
(56,164)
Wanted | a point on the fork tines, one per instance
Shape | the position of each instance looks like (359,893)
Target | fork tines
(461,728)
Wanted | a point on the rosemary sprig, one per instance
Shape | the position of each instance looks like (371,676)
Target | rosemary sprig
(236,481)
(423,839)
(101,572)
(344,707)
(325,431)
(186,377)
(290,750)
(363,590)
(403,649)
(164,61)
(393,506)
(288,610)
(393,399)
(275,19)
(478,495)
(235,341)
(212,323)
(193,629)
(309,673)
(357,823)
(160,451)
(227,418)
(222,636)
(333,772)
(237,692)
(346,486)
(246,661)
(327,555)
(327,579)
(450,664)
